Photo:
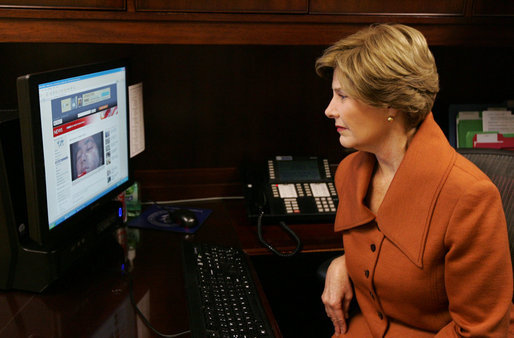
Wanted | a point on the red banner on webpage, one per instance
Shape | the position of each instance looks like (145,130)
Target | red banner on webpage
(76,124)
(109,112)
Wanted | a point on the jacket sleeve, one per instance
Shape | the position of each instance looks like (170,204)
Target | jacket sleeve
(478,269)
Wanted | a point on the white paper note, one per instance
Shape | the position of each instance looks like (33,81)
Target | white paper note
(287,191)
(501,121)
(136,116)
(487,138)
(319,190)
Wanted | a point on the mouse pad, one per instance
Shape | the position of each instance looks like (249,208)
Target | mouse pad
(156,217)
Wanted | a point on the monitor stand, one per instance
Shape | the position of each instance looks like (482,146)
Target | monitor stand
(22,265)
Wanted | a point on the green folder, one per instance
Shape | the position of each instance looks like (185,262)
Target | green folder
(466,127)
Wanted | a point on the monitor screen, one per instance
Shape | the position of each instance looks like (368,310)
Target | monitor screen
(85,148)
(74,128)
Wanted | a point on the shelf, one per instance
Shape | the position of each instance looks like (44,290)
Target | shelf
(452,25)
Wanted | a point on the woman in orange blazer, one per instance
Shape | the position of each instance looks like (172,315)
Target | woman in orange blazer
(425,237)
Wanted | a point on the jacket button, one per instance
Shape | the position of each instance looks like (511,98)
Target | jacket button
(366,273)
(373,247)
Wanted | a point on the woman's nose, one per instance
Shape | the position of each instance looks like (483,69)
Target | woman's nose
(330,111)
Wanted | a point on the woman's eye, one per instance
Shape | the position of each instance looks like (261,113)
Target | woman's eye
(342,96)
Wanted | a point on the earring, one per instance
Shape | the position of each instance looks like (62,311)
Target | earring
(390,119)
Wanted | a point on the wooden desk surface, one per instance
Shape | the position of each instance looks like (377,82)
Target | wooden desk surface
(94,300)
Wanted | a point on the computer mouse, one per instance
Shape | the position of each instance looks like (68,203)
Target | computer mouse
(184,218)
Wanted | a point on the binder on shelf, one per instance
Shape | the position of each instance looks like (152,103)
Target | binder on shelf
(468,122)
(493,140)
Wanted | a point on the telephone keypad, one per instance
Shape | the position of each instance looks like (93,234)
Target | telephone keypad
(332,189)
(300,190)
(325,204)
(307,187)
(271,170)
(291,205)
(274,190)
(293,195)
(326,166)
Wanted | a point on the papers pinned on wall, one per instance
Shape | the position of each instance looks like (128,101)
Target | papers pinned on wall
(137,125)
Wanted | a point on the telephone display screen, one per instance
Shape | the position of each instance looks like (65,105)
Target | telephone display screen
(298,170)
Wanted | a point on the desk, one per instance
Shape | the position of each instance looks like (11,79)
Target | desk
(94,302)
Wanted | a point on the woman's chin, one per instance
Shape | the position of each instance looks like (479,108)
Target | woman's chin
(346,143)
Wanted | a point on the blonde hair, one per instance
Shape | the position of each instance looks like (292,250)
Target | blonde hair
(386,65)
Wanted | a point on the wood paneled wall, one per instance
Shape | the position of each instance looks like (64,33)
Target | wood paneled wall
(218,106)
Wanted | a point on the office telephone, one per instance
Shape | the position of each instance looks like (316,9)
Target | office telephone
(291,189)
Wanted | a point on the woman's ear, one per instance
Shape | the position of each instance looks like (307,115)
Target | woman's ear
(392,112)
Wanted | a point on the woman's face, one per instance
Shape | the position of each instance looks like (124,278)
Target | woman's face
(359,125)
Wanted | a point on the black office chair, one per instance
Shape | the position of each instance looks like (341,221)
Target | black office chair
(499,166)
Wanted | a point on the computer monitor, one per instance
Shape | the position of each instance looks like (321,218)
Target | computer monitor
(75,140)
(73,127)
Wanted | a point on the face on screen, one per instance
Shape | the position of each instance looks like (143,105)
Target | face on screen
(88,154)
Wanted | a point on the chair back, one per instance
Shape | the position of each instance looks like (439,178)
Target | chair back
(499,166)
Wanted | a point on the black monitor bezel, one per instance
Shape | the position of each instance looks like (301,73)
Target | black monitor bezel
(34,169)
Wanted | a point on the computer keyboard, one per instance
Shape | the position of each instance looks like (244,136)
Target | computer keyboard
(222,297)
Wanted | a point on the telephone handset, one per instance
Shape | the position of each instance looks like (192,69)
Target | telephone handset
(293,189)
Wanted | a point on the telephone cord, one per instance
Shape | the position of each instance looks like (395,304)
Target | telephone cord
(270,247)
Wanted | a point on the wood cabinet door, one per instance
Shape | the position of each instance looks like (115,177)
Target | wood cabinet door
(65,4)
(496,7)
(242,6)
(385,7)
